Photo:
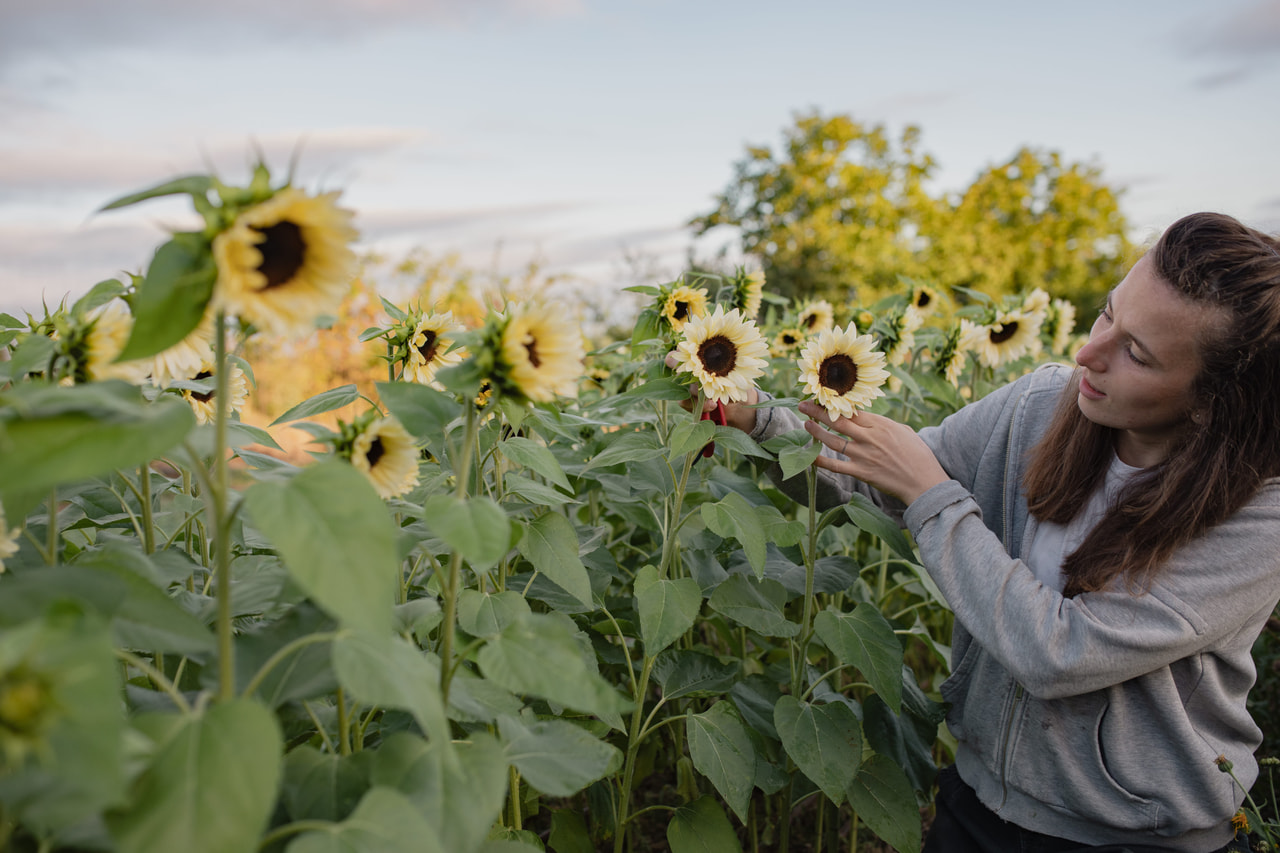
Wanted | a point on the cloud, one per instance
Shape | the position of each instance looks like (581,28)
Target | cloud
(1253,30)
(34,28)
(89,165)
(390,223)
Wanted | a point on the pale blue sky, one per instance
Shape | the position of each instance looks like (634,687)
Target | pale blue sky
(581,131)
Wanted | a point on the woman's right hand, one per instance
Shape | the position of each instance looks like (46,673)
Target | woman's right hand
(738,415)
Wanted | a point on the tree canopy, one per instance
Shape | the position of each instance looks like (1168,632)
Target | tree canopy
(843,211)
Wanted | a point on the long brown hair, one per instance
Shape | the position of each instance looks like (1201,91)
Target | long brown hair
(1228,449)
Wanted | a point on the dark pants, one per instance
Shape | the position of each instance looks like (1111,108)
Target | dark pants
(964,825)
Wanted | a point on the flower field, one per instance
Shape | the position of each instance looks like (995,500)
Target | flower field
(529,599)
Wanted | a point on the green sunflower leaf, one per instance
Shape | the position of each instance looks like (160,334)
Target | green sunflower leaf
(325,401)
(882,796)
(192,185)
(721,750)
(864,639)
(173,296)
(702,827)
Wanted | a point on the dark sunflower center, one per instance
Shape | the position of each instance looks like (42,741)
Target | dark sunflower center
(681,310)
(532,348)
(718,355)
(839,373)
(283,251)
(789,340)
(1003,333)
(202,396)
(810,321)
(428,348)
(376,450)
(923,300)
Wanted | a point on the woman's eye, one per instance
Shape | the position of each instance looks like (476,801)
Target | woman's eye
(1134,358)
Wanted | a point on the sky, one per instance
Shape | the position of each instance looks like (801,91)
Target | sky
(583,135)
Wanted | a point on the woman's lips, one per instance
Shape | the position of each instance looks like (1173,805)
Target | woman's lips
(1089,391)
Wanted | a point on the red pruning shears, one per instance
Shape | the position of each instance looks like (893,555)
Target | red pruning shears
(716,417)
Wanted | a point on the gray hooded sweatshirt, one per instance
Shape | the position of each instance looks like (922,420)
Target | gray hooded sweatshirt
(1097,718)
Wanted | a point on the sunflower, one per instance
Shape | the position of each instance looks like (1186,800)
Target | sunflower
(107,331)
(748,293)
(863,319)
(900,338)
(543,354)
(788,341)
(952,359)
(682,304)
(817,316)
(187,357)
(1036,300)
(1060,322)
(428,348)
(1011,335)
(842,370)
(8,540)
(285,262)
(924,299)
(388,455)
(202,402)
(724,352)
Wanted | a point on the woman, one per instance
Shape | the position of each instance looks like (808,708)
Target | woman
(1109,541)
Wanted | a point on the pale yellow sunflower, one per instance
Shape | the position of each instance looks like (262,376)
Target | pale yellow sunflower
(429,348)
(187,357)
(1010,336)
(388,455)
(683,303)
(817,316)
(203,402)
(924,299)
(543,353)
(724,352)
(286,262)
(749,293)
(1036,300)
(1061,319)
(109,328)
(842,370)
(8,540)
(902,338)
(788,341)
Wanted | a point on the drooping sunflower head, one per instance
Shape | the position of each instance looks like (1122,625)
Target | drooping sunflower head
(1060,323)
(542,353)
(900,334)
(429,347)
(186,358)
(286,262)
(842,370)
(1011,335)
(952,359)
(724,352)
(682,303)
(787,341)
(204,403)
(384,451)
(817,316)
(924,299)
(102,338)
(748,292)
(8,539)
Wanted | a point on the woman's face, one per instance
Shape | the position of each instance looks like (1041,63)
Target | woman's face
(1139,364)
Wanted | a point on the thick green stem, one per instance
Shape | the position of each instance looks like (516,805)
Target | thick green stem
(148,523)
(221,517)
(344,724)
(633,750)
(516,822)
(51,535)
(449,589)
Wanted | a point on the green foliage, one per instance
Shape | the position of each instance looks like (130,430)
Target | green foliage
(843,212)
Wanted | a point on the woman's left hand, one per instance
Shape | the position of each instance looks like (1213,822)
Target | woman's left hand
(878,451)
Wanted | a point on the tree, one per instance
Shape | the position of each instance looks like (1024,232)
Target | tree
(843,212)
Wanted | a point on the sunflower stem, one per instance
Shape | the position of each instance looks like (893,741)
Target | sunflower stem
(221,517)
(449,589)
(51,534)
(148,524)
